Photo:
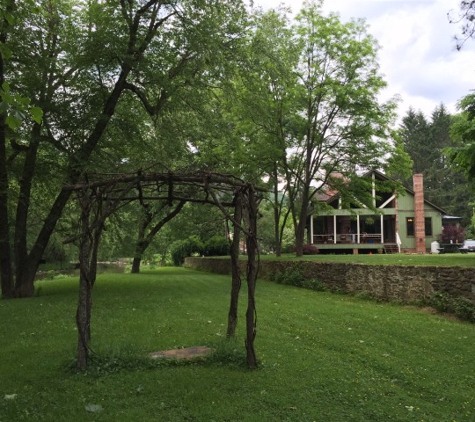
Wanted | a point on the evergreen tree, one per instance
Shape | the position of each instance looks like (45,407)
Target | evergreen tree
(426,141)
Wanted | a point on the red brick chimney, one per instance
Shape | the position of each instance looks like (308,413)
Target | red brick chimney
(419,217)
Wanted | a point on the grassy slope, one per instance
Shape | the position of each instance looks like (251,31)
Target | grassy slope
(455,259)
(323,357)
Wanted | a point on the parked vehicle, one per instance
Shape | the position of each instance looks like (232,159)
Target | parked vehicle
(469,245)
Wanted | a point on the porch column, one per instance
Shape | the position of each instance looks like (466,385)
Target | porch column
(358,234)
(373,189)
(311,229)
(334,229)
(382,228)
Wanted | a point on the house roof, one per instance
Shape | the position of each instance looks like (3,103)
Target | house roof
(330,195)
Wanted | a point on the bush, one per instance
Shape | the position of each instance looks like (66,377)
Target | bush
(464,309)
(453,233)
(314,284)
(185,248)
(216,246)
(460,306)
(292,276)
(307,249)
(440,301)
(310,250)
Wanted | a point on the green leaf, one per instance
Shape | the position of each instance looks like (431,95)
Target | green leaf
(5,51)
(9,18)
(36,114)
(12,122)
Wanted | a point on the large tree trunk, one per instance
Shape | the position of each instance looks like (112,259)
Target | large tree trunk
(277,213)
(136,263)
(21,220)
(299,237)
(302,222)
(141,246)
(144,241)
(6,273)
(24,286)
(235,271)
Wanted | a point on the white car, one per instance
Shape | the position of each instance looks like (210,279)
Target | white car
(469,245)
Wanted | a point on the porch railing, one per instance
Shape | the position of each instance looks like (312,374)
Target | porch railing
(347,238)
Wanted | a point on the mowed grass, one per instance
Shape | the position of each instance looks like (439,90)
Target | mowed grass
(450,259)
(323,357)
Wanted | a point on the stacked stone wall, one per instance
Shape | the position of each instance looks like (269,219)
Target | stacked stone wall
(401,283)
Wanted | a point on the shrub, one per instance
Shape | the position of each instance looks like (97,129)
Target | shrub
(440,301)
(307,249)
(292,276)
(310,250)
(216,246)
(464,309)
(452,233)
(185,248)
(314,284)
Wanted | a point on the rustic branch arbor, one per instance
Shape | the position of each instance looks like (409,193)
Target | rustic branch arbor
(102,196)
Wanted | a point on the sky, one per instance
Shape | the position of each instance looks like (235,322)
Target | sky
(418,56)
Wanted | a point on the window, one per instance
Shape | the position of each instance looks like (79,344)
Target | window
(428,226)
(410,226)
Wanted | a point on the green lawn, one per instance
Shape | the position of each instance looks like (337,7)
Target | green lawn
(451,259)
(323,357)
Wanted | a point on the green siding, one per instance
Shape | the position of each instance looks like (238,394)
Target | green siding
(406,210)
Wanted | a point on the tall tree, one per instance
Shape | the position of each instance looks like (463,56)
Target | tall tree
(309,99)
(446,183)
(416,138)
(425,141)
(461,152)
(275,56)
(151,53)
(339,124)
(265,93)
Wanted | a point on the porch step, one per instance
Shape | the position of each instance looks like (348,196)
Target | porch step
(391,248)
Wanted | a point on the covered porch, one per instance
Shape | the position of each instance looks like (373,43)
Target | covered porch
(345,232)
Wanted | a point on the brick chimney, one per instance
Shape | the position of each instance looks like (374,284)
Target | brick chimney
(419,217)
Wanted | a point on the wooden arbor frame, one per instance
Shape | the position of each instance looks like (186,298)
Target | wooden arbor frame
(101,197)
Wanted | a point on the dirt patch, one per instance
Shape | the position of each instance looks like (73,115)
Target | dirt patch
(186,353)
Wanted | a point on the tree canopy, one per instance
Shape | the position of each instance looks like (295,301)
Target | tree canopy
(188,85)
(427,142)
(156,58)
(311,101)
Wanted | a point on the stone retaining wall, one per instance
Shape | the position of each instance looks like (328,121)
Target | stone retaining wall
(403,283)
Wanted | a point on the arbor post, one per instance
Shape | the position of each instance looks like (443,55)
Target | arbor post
(252,271)
(88,250)
(235,271)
